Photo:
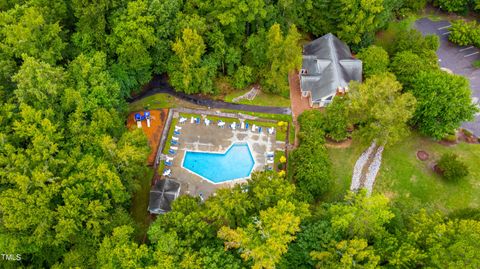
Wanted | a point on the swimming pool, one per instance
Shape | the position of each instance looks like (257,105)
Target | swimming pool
(237,162)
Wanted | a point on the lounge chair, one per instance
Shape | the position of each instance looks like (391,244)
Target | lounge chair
(221,124)
(169,159)
(270,154)
(167,172)
(182,120)
(173,142)
(242,125)
(259,129)
(175,138)
(254,128)
(192,119)
(174,147)
(247,125)
(271,130)
(177,128)
(168,163)
(176,132)
(270,161)
(197,121)
(207,122)
(171,151)
(233,125)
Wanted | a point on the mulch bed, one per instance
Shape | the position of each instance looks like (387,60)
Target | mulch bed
(154,133)
(422,155)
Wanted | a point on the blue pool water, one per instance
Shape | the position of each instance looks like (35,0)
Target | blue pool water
(236,162)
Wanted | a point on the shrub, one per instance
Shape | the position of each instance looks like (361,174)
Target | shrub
(476,64)
(450,138)
(457,6)
(336,119)
(451,167)
(464,33)
(243,77)
(467,133)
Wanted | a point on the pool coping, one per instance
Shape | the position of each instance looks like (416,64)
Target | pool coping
(219,152)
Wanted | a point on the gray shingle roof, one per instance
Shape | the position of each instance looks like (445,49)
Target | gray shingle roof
(162,196)
(329,64)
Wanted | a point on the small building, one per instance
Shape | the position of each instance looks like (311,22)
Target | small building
(163,193)
(327,68)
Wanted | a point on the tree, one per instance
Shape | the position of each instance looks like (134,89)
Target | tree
(457,6)
(375,60)
(380,110)
(25,31)
(361,216)
(284,55)
(132,38)
(443,102)
(358,19)
(336,119)
(451,167)
(266,239)
(406,65)
(464,33)
(353,253)
(188,72)
(118,251)
(415,42)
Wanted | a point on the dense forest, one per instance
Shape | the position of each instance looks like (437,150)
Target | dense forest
(68,166)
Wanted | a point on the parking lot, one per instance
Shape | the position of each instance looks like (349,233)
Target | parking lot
(456,58)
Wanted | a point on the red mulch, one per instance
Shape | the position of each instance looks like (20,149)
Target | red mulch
(153,133)
(422,155)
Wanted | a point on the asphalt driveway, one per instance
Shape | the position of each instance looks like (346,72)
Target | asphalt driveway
(456,58)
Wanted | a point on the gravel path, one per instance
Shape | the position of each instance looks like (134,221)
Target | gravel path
(366,168)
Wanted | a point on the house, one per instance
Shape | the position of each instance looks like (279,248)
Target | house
(327,68)
(162,195)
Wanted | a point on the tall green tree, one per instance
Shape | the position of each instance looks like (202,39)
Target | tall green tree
(443,102)
(284,55)
(188,72)
(131,40)
(380,110)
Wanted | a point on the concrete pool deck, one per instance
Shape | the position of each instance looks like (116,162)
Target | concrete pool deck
(199,137)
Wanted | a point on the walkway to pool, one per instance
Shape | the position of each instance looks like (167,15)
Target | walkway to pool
(199,137)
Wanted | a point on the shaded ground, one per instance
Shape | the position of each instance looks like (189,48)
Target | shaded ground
(160,84)
(153,133)
(456,58)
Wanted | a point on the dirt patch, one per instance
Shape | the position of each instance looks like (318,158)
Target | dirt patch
(422,155)
(154,133)
(338,145)
(467,136)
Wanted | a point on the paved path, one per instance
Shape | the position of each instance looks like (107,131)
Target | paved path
(456,58)
(160,85)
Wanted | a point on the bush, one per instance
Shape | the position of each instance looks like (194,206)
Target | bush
(451,167)
(457,6)
(476,64)
(336,119)
(467,133)
(375,60)
(450,138)
(465,33)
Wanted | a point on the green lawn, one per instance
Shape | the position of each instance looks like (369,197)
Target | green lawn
(403,176)
(343,160)
(158,101)
(139,207)
(262,99)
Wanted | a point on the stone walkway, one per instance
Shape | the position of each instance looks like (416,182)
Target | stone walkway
(366,169)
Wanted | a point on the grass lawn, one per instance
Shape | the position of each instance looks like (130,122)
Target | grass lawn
(139,207)
(157,101)
(343,160)
(404,177)
(262,99)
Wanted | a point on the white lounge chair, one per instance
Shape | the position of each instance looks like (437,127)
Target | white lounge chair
(242,125)
(270,161)
(254,128)
(175,138)
(207,122)
(271,130)
(221,124)
(192,120)
(167,172)
(173,147)
(169,158)
(233,125)
(177,128)
(182,120)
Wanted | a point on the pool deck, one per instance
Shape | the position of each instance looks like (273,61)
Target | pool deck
(199,137)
